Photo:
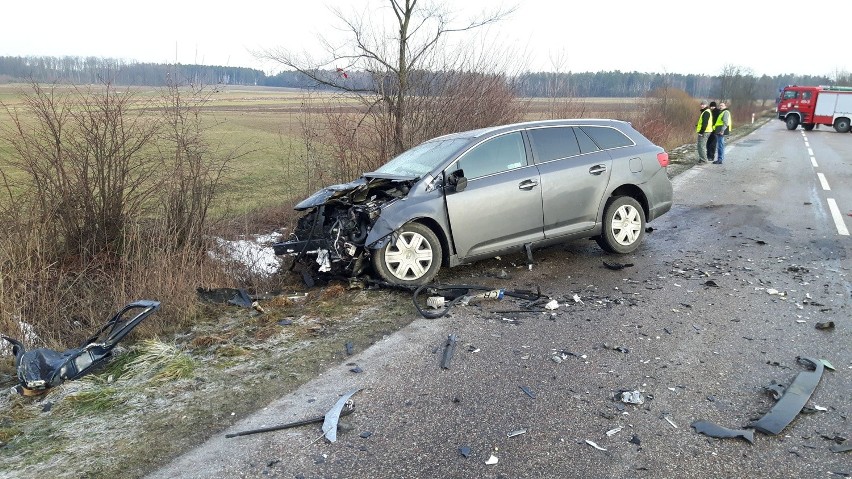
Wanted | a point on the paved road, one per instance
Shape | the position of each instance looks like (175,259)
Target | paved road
(758,224)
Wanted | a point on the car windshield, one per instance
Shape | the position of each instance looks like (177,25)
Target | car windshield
(423,158)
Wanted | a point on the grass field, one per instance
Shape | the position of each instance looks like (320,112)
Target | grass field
(263,124)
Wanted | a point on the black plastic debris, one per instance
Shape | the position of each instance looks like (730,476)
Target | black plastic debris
(350,348)
(620,349)
(713,430)
(776,389)
(710,284)
(615,266)
(449,350)
(824,326)
(366,434)
(357,370)
(529,392)
(241,299)
(793,400)
(41,369)
(635,440)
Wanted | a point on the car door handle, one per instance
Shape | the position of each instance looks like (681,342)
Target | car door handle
(527,184)
(597,169)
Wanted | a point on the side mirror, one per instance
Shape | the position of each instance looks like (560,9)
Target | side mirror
(457,181)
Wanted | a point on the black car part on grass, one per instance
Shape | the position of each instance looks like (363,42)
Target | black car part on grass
(41,369)
(793,400)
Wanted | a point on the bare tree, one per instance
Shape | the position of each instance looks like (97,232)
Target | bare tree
(392,57)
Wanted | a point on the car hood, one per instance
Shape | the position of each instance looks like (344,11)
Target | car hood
(355,191)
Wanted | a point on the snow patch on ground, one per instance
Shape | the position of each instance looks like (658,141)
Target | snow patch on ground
(255,252)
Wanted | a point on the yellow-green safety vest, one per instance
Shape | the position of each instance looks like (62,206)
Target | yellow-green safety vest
(708,125)
(721,120)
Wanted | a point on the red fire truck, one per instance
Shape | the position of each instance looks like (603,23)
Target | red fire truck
(816,105)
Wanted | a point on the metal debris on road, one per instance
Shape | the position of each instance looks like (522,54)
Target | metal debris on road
(632,397)
(329,425)
(345,412)
(709,429)
(670,421)
(592,443)
(528,391)
(516,433)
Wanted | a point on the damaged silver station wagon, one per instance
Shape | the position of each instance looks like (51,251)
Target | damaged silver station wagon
(477,194)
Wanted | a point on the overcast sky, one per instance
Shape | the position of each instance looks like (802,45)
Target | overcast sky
(674,36)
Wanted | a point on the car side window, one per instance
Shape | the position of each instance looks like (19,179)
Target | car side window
(606,137)
(503,153)
(586,143)
(553,143)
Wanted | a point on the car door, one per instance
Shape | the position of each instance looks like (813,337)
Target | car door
(501,205)
(574,176)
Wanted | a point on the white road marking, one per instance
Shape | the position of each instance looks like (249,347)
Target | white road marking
(823,182)
(813,162)
(837,217)
(810,152)
(807,144)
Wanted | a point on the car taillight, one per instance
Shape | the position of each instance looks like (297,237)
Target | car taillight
(663,158)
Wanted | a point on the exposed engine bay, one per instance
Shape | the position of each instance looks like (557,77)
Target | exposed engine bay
(332,237)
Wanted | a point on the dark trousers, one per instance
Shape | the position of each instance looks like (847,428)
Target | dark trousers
(711,147)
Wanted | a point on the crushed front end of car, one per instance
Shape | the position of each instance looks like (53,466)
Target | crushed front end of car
(331,238)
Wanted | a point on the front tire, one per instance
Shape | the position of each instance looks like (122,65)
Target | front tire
(411,258)
(842,125)
(792,122)
(623,225)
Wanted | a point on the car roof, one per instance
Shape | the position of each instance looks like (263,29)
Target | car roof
(533,124)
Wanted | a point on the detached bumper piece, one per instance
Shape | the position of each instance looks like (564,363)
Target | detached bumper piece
(793,400)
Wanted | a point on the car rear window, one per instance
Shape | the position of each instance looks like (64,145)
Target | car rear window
(607,137)
(553,143)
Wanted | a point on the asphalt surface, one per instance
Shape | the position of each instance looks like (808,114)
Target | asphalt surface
(719,301)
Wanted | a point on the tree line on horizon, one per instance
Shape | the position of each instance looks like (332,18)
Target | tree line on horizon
(615,84)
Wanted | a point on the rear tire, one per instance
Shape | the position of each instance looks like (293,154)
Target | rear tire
(623,225)
(808,126)
(842,125)
(411,258)
(792,122)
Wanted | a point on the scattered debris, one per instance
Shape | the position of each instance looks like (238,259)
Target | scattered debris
(635,440)
(777,390)
(710,284)
(841,447)
(41,369)
(552,305)
(345,412)
(329,425)
(614,431)
(621,349)
(616,266)
(632,397)
(349,347)
(435,302)
(670,421)
(528,391)
(492,460)
(365,434)
(449,350)
(793,400)
(719,432)
(357,370)
(775,292)
(464,451)
(285,322)
(516,433)
(825,325)
(592,443)
(826,364)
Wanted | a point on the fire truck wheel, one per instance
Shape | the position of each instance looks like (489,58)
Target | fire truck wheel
(842,125)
